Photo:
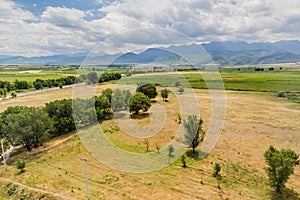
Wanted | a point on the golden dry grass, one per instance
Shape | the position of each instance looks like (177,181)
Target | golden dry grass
(253,122)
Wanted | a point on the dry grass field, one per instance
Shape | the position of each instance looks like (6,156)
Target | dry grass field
(254,121)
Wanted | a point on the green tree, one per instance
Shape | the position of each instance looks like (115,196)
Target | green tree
(139,101)
(118,101)
(38,85)
(127,96)
(29,126)
(13,94)
(20,164)
(107,94)
(93,77)
(165,94)
(177,84)
(179,118)
(3,92)
(194,133)
(102,106)
(148,89)
(281,165)
(60,111)
(181,90)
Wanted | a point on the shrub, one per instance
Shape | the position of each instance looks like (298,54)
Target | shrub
(20,164)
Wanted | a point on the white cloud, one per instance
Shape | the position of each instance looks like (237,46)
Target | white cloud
(64,30)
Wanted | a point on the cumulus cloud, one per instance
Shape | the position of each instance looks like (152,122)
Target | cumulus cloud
(67,30)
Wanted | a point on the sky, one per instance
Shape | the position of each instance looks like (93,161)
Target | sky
(41,28)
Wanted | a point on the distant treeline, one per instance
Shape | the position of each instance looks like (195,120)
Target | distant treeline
(37,84)
(90,78)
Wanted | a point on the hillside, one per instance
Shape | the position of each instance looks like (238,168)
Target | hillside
(223,53)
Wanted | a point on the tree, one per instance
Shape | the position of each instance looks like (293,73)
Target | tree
(194,133)
(61,113)
(102,106)
(157,146)
(139,101)
(29,126)
(21,85)
(20,164)
(165,94)
(183,161)
(181,90)
(127,96)
(179,117)
(38,85)
(171,150)
(177,84)
(13,94)
(147,143)
(281,165)
(3,92)
(148,89)
(93,77)
(107,93)
(219,179)
(118,101)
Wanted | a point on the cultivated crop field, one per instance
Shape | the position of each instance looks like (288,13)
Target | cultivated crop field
(254,121)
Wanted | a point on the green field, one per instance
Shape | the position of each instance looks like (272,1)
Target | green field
(288,81)
(32,75)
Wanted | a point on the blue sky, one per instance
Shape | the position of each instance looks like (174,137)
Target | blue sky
(39,28)
(37,7)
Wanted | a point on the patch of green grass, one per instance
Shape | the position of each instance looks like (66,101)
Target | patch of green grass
(253,81)
(273,81)
(29,76)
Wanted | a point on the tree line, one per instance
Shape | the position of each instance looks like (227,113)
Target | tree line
(90,78)
(37,84)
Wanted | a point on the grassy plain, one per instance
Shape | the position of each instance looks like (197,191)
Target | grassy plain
(32,75)
(254,120)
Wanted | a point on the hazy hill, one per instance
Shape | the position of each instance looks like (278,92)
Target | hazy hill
(223,53)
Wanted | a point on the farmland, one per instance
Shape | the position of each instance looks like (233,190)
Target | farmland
(255,119)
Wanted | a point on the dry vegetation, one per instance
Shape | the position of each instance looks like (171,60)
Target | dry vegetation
(253,122)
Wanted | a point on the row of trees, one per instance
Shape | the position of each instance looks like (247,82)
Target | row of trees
(93,77)
(49,83)
(37,84)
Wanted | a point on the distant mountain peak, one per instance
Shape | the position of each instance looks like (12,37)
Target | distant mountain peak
(222,52)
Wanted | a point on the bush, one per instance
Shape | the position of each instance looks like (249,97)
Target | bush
(181,90)
(20,164)
(281,94)
(13,95)
(165,94)
(217,169)
(171,150)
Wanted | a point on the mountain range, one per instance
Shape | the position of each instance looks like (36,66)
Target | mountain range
(223,53)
